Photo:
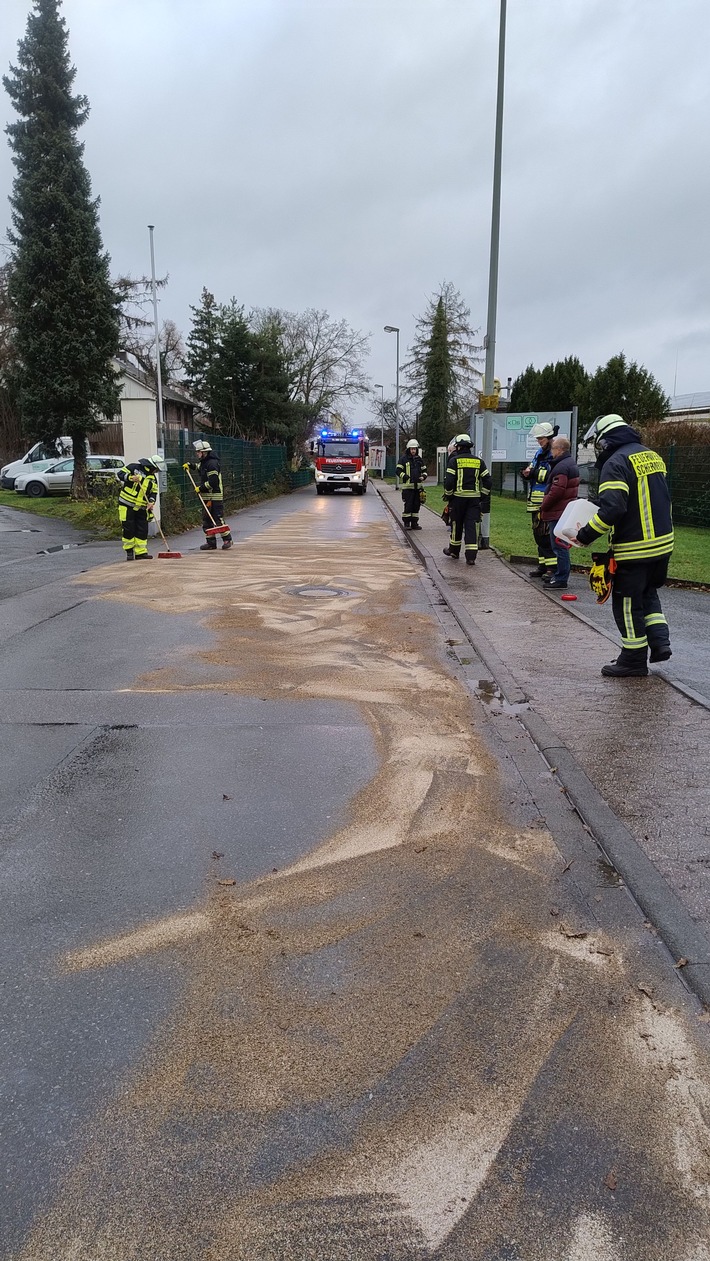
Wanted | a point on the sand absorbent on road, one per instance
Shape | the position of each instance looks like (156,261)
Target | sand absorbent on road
(390,1049)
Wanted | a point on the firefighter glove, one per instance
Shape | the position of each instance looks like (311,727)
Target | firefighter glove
(601,576)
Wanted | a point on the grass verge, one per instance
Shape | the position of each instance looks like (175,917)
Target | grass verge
(511,534)
(100,516)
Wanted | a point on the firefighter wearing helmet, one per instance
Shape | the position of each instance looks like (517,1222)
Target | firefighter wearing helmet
(536,475)
(411,473)
(634,510)
(136,500)
(467,493)
(211,489)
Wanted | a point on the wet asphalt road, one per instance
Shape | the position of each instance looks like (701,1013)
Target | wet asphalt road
(447,1035)
(112,805)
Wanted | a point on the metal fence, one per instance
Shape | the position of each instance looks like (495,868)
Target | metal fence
(689,482)
(247,467)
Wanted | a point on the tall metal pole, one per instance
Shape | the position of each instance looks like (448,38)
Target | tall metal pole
(381,388)
(396,410)
(161,418)
(490,342)
(391,328)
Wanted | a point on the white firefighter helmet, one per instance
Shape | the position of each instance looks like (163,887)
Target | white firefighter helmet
(542,430)
(412,445)
(201,445)
(601,429)
(463,440)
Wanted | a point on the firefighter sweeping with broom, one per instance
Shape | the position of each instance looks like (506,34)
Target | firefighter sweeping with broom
(211,493)
(136,500)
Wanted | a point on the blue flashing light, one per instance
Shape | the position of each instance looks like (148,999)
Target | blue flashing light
(355,433)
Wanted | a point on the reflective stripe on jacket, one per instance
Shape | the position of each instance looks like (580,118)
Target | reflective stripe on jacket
(537,477)
(136,494)
(468,478)
(210,484)
(634,505)
(411,471)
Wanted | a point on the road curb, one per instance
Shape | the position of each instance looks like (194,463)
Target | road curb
(660,905)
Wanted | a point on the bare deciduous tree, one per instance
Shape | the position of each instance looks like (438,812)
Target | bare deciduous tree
(324,358)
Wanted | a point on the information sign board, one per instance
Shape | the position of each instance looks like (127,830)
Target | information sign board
(513,442)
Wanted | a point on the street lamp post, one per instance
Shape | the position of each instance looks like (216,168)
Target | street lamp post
(390,328)
(159,376)
(490,342)
(381,388)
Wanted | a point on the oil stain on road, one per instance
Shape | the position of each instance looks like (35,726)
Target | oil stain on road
(390,1050)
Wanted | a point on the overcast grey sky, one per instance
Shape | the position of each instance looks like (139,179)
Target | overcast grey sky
(338,154)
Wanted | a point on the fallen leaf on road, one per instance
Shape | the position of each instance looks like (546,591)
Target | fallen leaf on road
(682,963)
(421,849)
(567,865)
(611,1181)
(554,910)
(225,797)
(573,932)
(229,881)
(216,854)
(418,934)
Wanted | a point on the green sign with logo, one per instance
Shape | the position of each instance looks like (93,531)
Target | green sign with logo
(520,422)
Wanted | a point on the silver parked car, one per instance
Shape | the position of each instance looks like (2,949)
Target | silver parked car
(57,478)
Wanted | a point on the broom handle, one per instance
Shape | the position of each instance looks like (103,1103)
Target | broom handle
(167,545)
(199,496)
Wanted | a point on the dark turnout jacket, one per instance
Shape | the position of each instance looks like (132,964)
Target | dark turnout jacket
(634,500)
(562,487)
(468,478)
(210,479)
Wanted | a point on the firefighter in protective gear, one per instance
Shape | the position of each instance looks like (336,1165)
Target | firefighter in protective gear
(411,473)
(136,500)
(536,475)
(635,511)
(467,493)
(210,487)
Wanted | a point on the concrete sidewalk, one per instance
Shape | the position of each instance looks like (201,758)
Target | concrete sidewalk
(639,745)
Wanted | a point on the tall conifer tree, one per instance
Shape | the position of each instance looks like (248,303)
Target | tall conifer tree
(435,416)
(65,308)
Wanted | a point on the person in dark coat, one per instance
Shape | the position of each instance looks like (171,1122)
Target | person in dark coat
(562,488)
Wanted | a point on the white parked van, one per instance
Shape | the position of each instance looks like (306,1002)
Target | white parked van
(40,451)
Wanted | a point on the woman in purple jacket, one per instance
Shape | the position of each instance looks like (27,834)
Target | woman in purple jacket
(562,489)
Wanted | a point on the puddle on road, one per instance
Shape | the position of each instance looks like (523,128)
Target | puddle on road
(489,692)
(609,875)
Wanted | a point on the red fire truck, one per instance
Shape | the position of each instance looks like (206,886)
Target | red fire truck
(341,460)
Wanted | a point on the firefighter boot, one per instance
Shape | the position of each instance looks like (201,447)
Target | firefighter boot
(630,664)
(537,573)
(144,556)
(448,552)
(660,654)
(209,546)
(226,544)
(129,554)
